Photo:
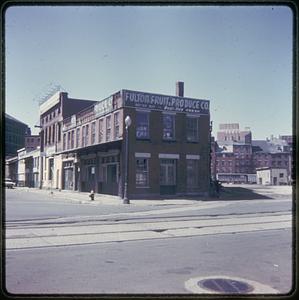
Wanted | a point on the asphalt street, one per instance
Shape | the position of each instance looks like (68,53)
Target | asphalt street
(67,245)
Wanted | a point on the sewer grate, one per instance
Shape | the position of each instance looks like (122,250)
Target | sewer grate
(226,286)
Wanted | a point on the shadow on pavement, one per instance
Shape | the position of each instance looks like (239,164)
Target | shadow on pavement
(239,193)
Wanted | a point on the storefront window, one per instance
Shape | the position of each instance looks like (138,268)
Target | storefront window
(192,172)
(142,125)
(142,172)
(168,127)
(109,169)
(192,129)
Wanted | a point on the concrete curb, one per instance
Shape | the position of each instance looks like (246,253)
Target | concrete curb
(83,197)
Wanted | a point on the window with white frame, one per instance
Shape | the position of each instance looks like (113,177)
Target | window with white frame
(83,136)
(101,130)
(192,129)
(72,138)
(168,127)
(64,141)
(142,125)
(77,137)
(108,128)
(49,134)
(86,134)
(68,140)
(142,172)
(59,132)
(116,125)
(93,133)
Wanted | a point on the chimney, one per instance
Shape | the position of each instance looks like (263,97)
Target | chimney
(179,89)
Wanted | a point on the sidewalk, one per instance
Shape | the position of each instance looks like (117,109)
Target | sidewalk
(83,197)
(228,193)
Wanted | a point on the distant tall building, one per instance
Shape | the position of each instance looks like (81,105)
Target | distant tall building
(230,133)
(15,132)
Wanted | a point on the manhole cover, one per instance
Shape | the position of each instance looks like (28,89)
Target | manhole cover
(221,284)
(226,286)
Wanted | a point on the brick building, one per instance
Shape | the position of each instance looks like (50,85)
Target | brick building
(168,145)
(52,113)
(234,163)
(273,153)
(239,161)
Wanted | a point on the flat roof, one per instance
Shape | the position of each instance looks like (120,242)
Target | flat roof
(14,119)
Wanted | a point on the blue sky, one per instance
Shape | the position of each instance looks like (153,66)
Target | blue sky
(238,57)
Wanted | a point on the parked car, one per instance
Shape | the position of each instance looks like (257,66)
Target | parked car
(9,183)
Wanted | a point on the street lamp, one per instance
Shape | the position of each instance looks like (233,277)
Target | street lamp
(41,160)
(128,122)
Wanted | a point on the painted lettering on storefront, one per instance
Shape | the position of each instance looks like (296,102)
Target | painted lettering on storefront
(162,102)
(103,107)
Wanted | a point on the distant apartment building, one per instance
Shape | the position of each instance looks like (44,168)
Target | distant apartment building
(15,132)
(234,154)
(234,163)
(234,160)
(273,153)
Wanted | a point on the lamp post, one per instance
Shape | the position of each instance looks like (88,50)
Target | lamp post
(41,158)
(210,158)
(128,122)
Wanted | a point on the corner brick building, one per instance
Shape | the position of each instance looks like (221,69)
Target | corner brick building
(169,149)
